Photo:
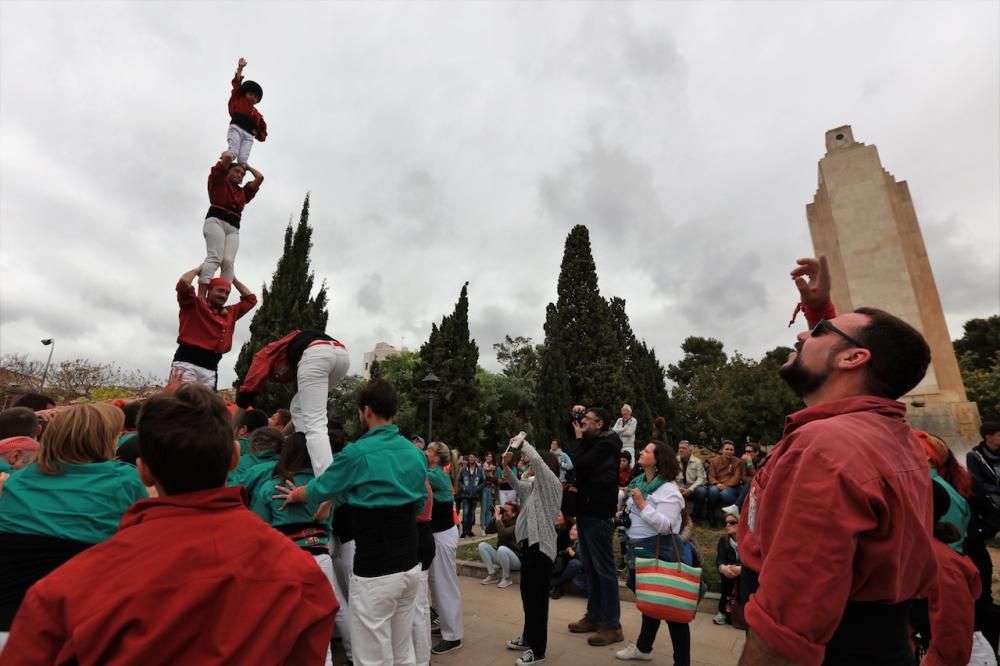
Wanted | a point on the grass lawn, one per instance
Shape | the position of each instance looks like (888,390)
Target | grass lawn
(470,551)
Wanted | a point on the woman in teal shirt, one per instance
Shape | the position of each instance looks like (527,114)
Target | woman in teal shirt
(71,498)
(308,524)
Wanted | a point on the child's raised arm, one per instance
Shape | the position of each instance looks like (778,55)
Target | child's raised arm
(239,69)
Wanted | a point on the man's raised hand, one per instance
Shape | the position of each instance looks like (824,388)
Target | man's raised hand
(242,63)
(812,278)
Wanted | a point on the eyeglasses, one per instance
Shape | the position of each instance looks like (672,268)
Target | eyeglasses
(732,522)
(824,325)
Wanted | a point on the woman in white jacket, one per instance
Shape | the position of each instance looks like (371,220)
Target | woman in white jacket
(656,507)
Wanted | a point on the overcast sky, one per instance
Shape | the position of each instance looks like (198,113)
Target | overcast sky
(445,142)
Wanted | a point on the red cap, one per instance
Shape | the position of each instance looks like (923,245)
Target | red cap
(219,282)
(19,443)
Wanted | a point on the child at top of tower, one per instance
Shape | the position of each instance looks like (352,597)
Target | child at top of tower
(245,123)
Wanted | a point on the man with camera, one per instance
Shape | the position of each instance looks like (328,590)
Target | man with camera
(595,460)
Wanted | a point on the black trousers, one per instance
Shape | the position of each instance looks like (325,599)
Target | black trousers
(536,576)
(986,612)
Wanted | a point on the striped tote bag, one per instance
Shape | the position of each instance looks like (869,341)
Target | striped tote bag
(666,590)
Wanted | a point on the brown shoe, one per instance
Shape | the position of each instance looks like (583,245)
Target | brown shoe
(607,636)
(583,626)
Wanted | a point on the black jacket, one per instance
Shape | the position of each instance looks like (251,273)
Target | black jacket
(595,461)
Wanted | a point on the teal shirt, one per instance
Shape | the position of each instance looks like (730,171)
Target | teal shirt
(258,475)
(958,513)
(83,503)
(244,446)
(382,469)
(5,467)
(238,476)
(270,509)
(124,438)
(441,485)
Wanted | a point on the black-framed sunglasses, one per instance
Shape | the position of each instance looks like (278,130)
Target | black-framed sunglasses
(732,522)
(824,325)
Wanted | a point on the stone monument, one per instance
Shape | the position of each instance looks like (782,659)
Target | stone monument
(866,225)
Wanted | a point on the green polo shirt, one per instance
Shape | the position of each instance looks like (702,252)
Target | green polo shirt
(83,503)
(441,485)
(270,509)
(5,466)
(382,469)
(258,475)
(244,446)
(238,476)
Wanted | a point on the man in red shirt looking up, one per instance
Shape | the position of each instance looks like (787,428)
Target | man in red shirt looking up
(206,328)
(836,530)
(197,577)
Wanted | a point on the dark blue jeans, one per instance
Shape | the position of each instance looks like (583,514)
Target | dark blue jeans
(573,572)
(597,555)
(720,498)
(468,514)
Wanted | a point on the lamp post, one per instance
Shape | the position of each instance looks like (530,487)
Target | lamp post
(51,344)
(430,384)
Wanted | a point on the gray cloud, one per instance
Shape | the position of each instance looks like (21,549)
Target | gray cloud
(441,147)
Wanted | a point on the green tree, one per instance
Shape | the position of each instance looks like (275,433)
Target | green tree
(401,371)
(553,393)
(507,404)
(584,345)
(287,305)
(981,342)
(646,390)
(698,353)
(453,356)
(739,399)
(982,385)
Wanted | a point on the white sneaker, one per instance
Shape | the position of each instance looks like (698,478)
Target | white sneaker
(528,657)
(489,580)
(632,653)
(720,618)
(517,644)
(506,582)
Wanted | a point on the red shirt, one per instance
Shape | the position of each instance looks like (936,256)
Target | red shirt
(205,326)
(189,579)
(951,608)
(228,200)
(840,511)
(246,114)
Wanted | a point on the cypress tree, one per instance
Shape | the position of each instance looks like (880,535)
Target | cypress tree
(585,335)
(554,398)
(287,305)
(646,390)
(453,356)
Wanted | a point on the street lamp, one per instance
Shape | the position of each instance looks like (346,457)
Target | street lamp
(51,344)
(430,384)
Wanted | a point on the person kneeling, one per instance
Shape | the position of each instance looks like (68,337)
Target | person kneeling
(507,552)
(181,588)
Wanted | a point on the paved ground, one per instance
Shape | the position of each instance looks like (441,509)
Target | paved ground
(493,615)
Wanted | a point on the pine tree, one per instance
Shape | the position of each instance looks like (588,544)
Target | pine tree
(287,305)
(453,356)
(584,335)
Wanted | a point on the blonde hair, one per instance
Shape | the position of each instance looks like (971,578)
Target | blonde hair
(440,449)
(79,435)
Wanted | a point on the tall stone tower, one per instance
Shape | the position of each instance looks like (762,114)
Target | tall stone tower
(865,224)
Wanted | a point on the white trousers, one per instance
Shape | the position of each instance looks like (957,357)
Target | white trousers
(422,623)
(326,565)
(444,585)
(189,373)
(502,556)
(320,368)
(222,242)
(240,142)
(341,586)
(382,618)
